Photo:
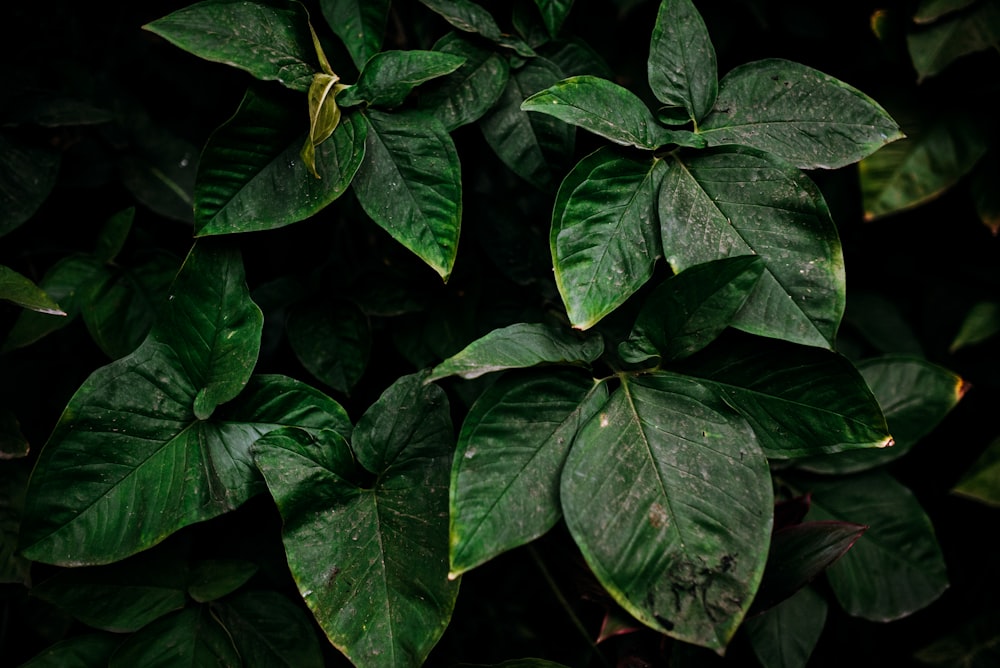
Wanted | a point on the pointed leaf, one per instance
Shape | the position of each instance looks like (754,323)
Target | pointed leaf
(470,91)
(471,17)
(603,236)
(981,323)
(192,637)
(251,177)
(17,289)
(897,567)
(602,107)
(371,563)
(27,175)
(113,235)
(669,497)
(921,167)
(332,340)
(797,113)
(982,481)
(212,579)
(410,184)
(271,43)
(915,395)
(324,116)
(688,311)
(682,68)
(785,636)
(360,24)
(510,454)
(743,202)
(389,76)
(269,630)
(554,13)
(798,399)
(533,146)
(519,346)
(940,44)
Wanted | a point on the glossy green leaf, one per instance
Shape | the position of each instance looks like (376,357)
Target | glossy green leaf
(739,201)
(410,184)
(123,597)
(689,310)
(785,636)
(554,13)
(27,175)
(269,42)
(533,146)
(799,400)
(668,495)
(371,562)
(252,178)
(191,637)
(21,291)
(113,235)
(682,69)
(470,91)
(519,346)
(388,77)
(212,579)
(332,340)
(510,455)
(469,16)
(798,554)
(324,116)
(269,630)
(602,107)
(82,651)
(938,45)
(67,282)
(603,237)
(982,481)
(360,24)
(915,395)
(797,113)
(897,567)
(920,168)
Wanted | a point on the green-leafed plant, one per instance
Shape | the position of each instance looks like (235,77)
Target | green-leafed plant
(295,445)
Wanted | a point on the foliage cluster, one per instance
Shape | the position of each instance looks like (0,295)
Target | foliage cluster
(442,332)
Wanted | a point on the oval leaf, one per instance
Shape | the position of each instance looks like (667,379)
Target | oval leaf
(332,340)
(192,637)
(389,76)
(468,93)
(27,175)
(603,236)
(797,113)
(269,630)
(682,67)
(669,497)
(740,201)
(785,636)
(360,24)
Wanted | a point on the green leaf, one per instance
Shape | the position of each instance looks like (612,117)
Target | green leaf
(533,146)
(915,395)
(691,309)
(388,77)
(897,567)
(602,107)
(360,24)
(13,444)
(410,184)
(739,201)
(938,45)
(986,197)
(928,11)
(191,637)
(271,43)
(797,113)
(17,289)
(510,454)
(785,636)
(371,563)
(324,116)
(975,644)
(470,17)
(82,651)
(922,167)
(251,177)
(554,14)
(982,481)
(332,340)
(519,346)
(269,630)
(212,579)
(603,238)
(113,235)
(470,91)
(13,482)
(798,399)
(669,497)
(123,597)
(27,175)
(682,69)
